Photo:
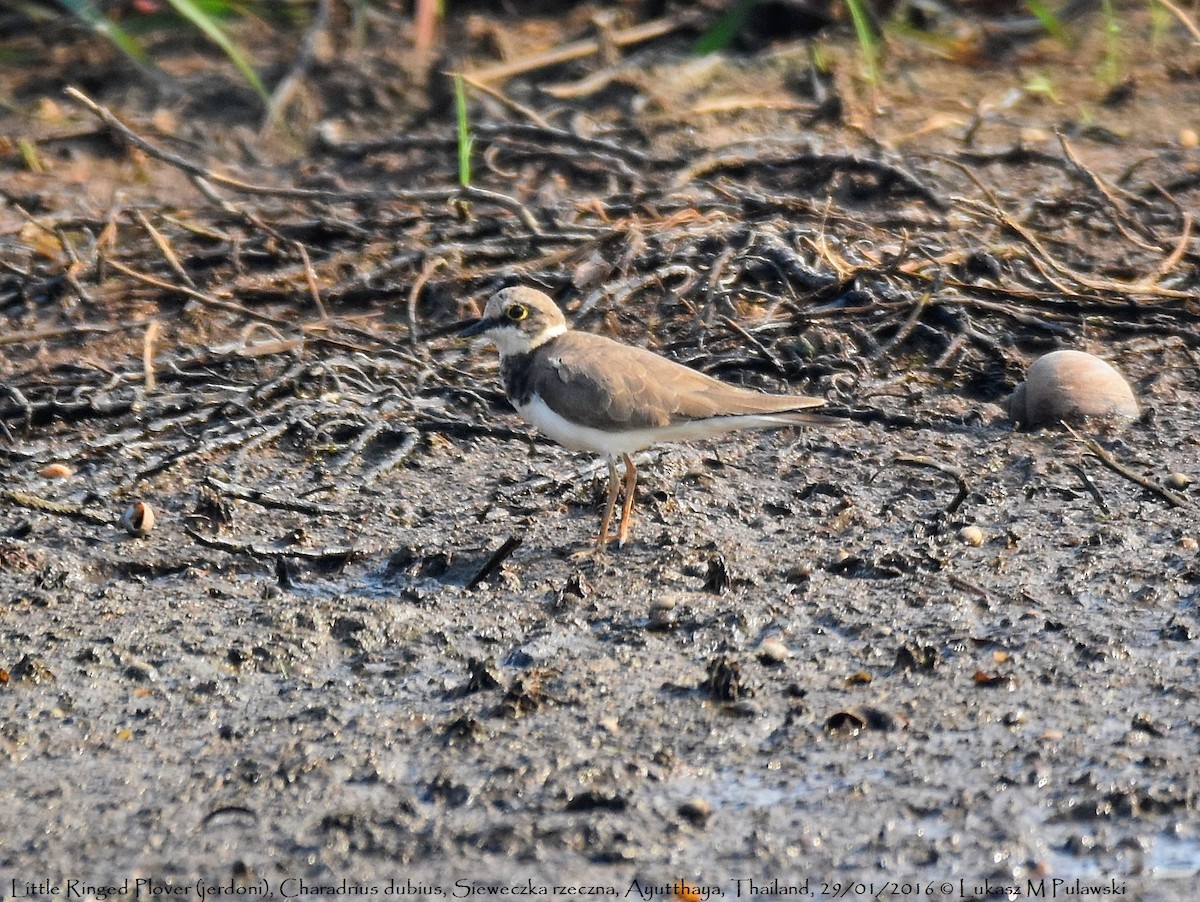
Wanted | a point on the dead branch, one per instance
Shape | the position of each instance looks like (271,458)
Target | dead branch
(577,50)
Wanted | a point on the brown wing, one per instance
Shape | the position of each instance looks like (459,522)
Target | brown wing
(607,385)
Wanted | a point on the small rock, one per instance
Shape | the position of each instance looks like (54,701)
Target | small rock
(723,680)
(1070,385)
(696,810)
(663,603)
(853,721)
(719,578)
(799,573)
(141,672)
(138,519)
(772,651)
(31,670)
(971,535)
(1178,481)
(912,656)
(56,471)
(662,614)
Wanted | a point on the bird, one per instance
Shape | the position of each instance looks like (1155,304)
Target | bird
(591,393)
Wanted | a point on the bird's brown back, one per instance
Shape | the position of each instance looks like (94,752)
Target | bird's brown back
(604,384)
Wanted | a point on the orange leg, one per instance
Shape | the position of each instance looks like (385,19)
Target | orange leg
(613,486)
(630,492)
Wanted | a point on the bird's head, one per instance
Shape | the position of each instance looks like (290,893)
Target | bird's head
(516,320)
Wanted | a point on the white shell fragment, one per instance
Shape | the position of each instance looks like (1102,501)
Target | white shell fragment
(1070,385)
(138,519)
(972,535)
(772,651)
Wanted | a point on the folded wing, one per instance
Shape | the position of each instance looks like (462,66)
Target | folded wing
(606,385)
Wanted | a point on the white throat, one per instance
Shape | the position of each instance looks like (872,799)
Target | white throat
(510,340)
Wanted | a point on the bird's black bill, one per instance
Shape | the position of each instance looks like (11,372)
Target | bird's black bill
(476,328)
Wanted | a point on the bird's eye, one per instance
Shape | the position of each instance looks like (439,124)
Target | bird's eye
(516,312)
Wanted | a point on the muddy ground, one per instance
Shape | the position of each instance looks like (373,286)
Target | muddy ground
(360,645)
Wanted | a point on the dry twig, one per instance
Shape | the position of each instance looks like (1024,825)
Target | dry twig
(566,53)
(1172,498)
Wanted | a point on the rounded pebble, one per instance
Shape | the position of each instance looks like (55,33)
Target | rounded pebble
(971,535)
(772,651)
(138,519)
(1070,385)
(1178,481)
(662,613)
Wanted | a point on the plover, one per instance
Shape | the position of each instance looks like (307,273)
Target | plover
(591,393)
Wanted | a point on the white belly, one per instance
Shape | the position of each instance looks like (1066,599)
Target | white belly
(614,444)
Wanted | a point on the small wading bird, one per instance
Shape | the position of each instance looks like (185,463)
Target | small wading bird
(590,393)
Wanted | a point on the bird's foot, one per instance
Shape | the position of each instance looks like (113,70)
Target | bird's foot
(591,552)
(597,548)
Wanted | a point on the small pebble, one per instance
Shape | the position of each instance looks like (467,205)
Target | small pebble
(1187,543)
(772,651)
(662,613)
(138,519)
(971,535)
(1189,138)
(799,573)
(1178,481)
(696,810)
(56,471)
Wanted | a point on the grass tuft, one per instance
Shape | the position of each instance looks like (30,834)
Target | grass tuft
(192,12)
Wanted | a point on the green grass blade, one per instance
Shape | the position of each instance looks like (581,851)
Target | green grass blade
(203,21)
(1110,69)
(1052,23)
(86,11)
(465,140)
(866,38)
(725,29)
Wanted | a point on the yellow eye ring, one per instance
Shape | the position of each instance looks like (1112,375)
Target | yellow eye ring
(517,312)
